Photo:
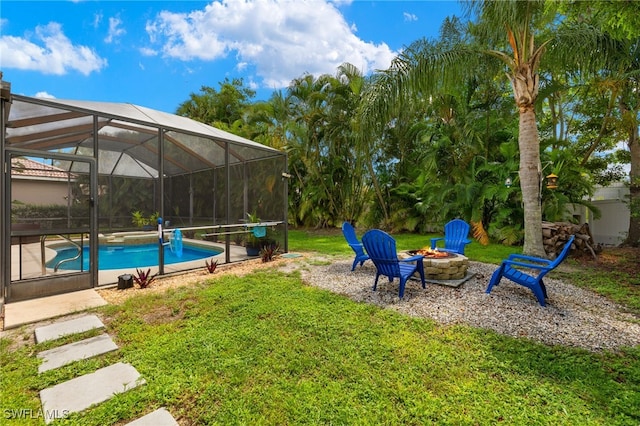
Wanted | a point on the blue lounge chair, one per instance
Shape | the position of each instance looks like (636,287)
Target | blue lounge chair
(455,237)
(508,269)
(350,235)
(381,248)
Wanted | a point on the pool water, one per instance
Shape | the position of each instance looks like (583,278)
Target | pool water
(130,256)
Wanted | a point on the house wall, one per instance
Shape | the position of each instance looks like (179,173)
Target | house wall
(39,192)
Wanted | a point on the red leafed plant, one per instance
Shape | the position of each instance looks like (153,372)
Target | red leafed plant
(211,267)
(269,251)
(143,279)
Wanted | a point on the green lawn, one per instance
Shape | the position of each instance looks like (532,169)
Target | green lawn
(333,242)
(266,349)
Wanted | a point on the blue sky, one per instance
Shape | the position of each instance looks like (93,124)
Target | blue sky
(156,53)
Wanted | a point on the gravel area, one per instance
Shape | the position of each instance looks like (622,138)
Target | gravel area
(573,316)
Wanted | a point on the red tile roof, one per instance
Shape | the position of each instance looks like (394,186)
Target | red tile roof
(26,167)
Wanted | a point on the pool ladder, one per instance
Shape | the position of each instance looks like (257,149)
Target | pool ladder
(71,259)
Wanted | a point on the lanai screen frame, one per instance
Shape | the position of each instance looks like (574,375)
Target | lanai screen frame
(50,125)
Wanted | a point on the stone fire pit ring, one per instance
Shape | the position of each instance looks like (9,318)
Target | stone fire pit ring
(452,267)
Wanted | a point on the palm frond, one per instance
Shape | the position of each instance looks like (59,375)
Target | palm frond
(479,233)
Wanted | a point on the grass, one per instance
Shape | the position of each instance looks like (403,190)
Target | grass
(332,241)
(267,349)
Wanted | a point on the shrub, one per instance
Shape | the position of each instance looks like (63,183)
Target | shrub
(144,279)
(211,267)
(269,251)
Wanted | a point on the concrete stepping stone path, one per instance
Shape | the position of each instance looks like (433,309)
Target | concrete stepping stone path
(78,394)
(87,348)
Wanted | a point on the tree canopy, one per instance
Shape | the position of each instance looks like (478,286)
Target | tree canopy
(436,135)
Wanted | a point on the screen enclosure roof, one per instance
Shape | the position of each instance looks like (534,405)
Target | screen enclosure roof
(127,137)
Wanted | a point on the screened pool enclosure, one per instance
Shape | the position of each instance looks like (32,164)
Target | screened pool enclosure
(82,178)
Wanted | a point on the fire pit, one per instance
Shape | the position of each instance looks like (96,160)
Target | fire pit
(441,265)
(433,253)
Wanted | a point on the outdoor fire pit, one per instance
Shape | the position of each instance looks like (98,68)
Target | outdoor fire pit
(441,265)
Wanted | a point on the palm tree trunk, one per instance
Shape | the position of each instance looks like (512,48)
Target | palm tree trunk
(530,178)
(381,198)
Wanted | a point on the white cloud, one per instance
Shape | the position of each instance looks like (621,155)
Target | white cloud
(51,53)
(281,40)
(409,16)
(44,95)
(145,51)
(97,19)
(114,30)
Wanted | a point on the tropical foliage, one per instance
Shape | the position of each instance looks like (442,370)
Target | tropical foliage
(437,135)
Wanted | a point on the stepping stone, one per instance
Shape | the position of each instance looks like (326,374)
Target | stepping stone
(160,417)
(78,394)
(76,351)
(65,328)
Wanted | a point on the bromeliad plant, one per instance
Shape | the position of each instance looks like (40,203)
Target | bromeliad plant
(211,267)
(269,251)
(144,279)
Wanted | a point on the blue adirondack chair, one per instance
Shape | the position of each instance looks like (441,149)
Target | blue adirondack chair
(350,235)
(381,248)
(508,269)
(455,237)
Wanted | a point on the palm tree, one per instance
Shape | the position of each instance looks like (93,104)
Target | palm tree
(622,79)
(424,72)
(219,108)
(331,173)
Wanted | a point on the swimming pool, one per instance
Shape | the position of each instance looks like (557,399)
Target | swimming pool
(129,256)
